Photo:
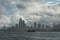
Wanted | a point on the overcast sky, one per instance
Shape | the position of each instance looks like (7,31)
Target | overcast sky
(40,11)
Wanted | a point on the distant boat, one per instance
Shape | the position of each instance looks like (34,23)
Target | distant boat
(30,30)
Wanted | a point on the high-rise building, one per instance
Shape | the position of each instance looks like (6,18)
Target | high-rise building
(22,25)
(54,24)
(42,27)
(47,28)
(16,25)
(56,28)
(39,27)
(34,24)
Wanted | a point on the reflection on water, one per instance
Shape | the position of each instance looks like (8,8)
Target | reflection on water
(30,36)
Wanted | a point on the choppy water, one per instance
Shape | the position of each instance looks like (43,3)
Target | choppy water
(30,36)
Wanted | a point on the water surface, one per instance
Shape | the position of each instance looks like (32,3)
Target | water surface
(30,36)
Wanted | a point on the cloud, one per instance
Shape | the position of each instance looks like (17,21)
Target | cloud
(21,6)
(2,10)
(41,11)
(4,21)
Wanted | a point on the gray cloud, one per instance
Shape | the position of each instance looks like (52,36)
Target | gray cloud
(21,6)
(30,11)
(4,21)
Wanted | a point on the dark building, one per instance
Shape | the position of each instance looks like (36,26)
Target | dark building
(43,26)
(35,25)
(22,25)
(56,28)
(48,28)
(4,28)
(54,24)
(39,27)
(16,27)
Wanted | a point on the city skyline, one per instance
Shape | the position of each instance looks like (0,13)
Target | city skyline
(22,27)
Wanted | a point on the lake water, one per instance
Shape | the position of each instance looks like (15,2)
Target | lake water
(30,36)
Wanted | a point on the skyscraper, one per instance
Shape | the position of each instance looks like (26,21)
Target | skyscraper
(39,25)
(22,25)
(35,25)
(54,24)
(42,27)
